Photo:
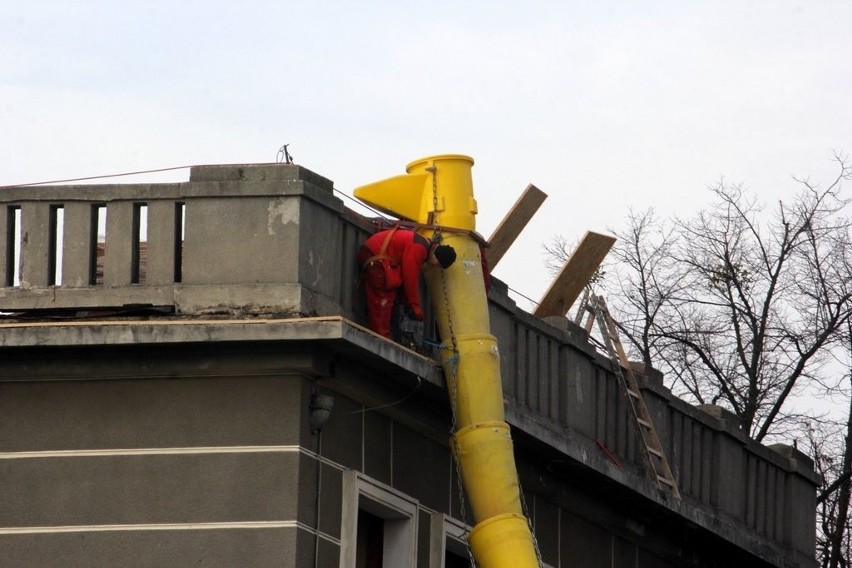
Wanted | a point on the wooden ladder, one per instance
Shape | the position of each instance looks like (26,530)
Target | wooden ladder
(655,457)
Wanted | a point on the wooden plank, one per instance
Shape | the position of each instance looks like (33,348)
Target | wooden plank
(513,223)
(575,274)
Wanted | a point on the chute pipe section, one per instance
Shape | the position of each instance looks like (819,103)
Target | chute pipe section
(478,396)
(485,452)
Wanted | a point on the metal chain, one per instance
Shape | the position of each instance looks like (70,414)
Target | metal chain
(447,308)
(436,236)
(452,365)
(530,524)
(434,171)
(453,362)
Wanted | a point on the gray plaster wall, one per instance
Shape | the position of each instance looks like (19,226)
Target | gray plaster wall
(106,469)
(207,458)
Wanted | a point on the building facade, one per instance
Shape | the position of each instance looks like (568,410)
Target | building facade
(210,397)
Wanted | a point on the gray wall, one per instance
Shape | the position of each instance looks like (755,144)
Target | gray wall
(107,470)
(213,466)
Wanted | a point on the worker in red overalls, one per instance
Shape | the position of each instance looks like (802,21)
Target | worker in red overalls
(391,260)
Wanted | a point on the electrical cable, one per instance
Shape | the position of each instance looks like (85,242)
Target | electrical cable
(403,399)
(69,180)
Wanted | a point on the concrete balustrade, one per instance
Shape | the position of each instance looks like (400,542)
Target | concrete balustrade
(229,240)
(554,379)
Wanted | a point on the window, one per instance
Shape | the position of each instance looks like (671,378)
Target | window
(448,543)
(379,525)
(453,560)
(370,540)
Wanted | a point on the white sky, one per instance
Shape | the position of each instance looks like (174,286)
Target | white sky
(603,105)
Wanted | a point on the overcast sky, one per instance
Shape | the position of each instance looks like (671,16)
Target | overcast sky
(603,105)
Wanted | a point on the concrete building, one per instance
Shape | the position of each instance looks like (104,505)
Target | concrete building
(216,402)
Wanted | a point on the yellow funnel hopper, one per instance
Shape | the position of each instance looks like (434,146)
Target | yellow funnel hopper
(436,190)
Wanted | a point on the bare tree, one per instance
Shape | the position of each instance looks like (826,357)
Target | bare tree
(838,538)
(761,300)
(642,288)
(826,442)
(739,305)
(743,306)
(833,538)
(556,253)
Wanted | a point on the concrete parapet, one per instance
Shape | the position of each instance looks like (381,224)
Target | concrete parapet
(725,416)
(750,491)
(258,172)
(646,373)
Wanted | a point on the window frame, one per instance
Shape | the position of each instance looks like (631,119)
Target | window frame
(447,533)
(399,512)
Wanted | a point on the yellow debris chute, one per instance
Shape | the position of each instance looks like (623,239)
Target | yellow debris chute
(437,192)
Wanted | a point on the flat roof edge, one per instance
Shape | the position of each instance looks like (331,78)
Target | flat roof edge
(22,334)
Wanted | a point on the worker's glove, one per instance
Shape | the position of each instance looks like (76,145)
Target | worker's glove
(416,312)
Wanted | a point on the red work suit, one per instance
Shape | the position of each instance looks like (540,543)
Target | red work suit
(391,260)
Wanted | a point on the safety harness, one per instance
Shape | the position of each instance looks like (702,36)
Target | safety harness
(383,251)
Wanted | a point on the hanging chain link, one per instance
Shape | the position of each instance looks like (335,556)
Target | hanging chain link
(452,367)
(438,237)
(530,524)
(453,362)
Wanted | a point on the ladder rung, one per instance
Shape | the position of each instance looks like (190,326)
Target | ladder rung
(657,453)
(644,423)
(633,393)
(665,480)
